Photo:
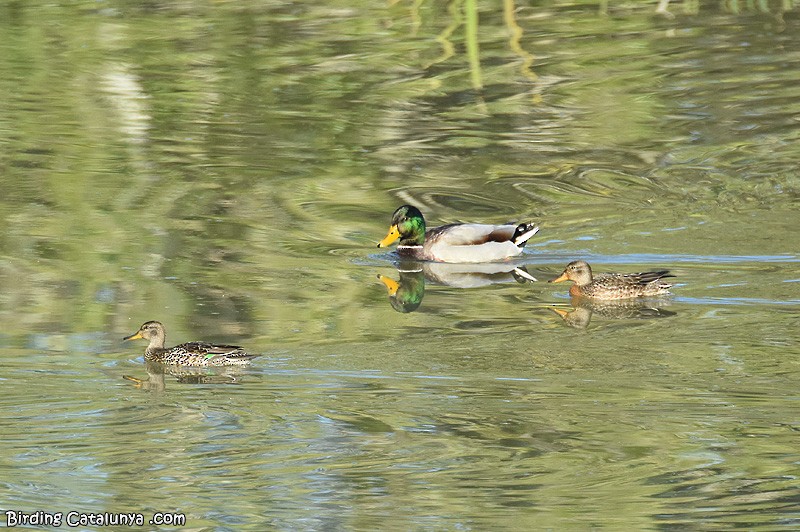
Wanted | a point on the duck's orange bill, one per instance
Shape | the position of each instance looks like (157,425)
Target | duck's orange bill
(560,312)
(134,336)
(562,277)
(393,235)
(391,284)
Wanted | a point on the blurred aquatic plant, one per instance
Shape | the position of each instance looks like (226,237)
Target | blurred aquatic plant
(465,13)
(473,49)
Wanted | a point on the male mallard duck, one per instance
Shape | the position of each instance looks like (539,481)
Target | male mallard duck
(189,354)
(612,285)
(455,242)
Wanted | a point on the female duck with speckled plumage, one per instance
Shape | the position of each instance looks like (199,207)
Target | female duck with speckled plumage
(189,354)
(612,285)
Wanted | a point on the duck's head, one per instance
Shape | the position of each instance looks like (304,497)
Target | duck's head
(578,271)
(406,294)
(153,331)
(408,225)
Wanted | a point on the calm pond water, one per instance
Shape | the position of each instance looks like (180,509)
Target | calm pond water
(227,168)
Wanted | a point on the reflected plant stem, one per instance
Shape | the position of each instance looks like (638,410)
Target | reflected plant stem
(509,15)
(663,9)
(688,6)
(448,50)
(416,19)
(473,52)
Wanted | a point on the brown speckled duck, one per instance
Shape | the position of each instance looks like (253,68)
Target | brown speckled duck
(458,242)
(198,354)
(612,285)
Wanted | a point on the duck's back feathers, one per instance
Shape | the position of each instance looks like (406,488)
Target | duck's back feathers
(201,354)
(477,234)
(619,286)
(475,242)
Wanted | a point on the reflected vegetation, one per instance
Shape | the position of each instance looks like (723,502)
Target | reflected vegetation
(226,166)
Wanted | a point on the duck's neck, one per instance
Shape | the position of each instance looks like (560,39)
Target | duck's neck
(585,278)
(157,341)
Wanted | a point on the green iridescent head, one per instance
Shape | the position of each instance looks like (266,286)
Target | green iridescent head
(408,225)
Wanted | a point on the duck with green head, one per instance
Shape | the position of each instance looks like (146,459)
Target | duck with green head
(459,242)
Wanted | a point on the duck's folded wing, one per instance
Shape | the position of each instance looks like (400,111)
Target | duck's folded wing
(471,234)
(213,351)
(203,348)
(644,278)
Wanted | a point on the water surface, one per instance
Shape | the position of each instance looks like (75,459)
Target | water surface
(228,169)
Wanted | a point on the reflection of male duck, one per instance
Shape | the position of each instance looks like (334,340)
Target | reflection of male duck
(474,275)
(623,309)
(405,294)
(455,242)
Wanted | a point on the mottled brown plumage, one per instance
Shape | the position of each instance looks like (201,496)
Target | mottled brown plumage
(199,354)
(612,285)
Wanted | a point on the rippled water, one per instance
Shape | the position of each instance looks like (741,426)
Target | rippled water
(228,169)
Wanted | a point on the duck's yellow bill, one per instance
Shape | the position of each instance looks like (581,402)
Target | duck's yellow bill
(391,284)
(134,336)
(560,312)
(562,277)
(393,235)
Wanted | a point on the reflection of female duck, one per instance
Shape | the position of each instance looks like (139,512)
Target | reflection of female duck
(184,375)
(623,309)
(154,380)
(406,294)
(455,242)
(612,285)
